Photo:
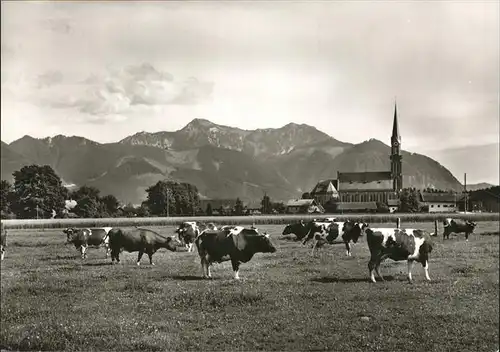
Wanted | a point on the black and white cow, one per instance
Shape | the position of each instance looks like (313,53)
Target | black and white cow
(3,240)
(411,245)
(238,245)
(90,237)
(351,232)
(189,230)
(322,233)
(299,229)
(458,226)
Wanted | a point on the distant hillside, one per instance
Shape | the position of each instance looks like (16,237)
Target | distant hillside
(223,162)
(479,162)
(478,186)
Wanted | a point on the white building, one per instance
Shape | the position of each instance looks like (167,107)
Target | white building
(440,202)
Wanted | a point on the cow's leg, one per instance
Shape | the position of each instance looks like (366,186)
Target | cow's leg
(150,255)
(83,251)
(348,249)
(139,256)
(377,270)
(236,268)
(3,253)
(190,247)
(315,245)
(411,263)
(425,264)
(371,268)
(466,236)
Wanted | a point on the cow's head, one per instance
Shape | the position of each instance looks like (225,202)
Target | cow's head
(471,223)
(70,231)
(260,242)
(295,228)
(171,244)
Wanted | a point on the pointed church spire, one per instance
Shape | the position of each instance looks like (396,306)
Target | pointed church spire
(395,125)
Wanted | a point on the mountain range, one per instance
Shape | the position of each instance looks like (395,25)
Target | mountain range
(222,161)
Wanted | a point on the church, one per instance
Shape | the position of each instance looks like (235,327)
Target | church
(361,190)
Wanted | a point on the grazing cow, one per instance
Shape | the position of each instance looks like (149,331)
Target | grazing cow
(322,233)
(238,244)
(458,226)
(299,229)
(189,230)
(352,231)
(3,240)
(93,237)
(138,240)
(398,244)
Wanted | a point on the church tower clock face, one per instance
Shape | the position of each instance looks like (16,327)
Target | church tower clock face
(395,144)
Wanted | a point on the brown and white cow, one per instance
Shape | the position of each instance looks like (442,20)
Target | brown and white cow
(189,230)
(458,226)
(412,245)
(238,245)
(3,240)
(139,240)
(88,237)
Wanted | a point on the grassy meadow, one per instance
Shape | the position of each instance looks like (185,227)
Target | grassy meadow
(286,301)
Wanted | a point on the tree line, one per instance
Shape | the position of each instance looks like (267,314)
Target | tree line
(38,192)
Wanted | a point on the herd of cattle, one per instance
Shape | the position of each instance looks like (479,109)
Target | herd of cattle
(239,244)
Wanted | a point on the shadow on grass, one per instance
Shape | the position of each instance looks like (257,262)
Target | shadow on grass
(98,264)
(60,257)
(326,280)
(187,278)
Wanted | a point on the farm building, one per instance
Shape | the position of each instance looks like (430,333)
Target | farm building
(301,206)
(439,202)
(372,186)
(357,207)
(393,205)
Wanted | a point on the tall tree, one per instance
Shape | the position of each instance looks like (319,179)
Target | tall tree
(238,207)
(173,198)
(88,203)
(110,204)
(6,197)
(266,204)
(209,211)
(38,192)
(409,200)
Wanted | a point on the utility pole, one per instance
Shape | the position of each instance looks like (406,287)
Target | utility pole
(465,192)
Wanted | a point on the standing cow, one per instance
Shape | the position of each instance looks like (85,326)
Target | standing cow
(89,237)
(238,245)
(299,229)
(3,240)
(351,232)
(138,240)
(398,244)
(322,233)
(189,230)
(458,226)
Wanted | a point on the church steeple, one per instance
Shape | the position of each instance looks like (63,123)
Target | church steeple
(395,125)
(396,158)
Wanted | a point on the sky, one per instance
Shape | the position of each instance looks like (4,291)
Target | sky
(106,70)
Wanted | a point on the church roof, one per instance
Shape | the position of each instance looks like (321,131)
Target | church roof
(363,177)
(300,202)
(322,187)
(363,181)
(439,197)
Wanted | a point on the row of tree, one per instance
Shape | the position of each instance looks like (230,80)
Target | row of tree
(38,192)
